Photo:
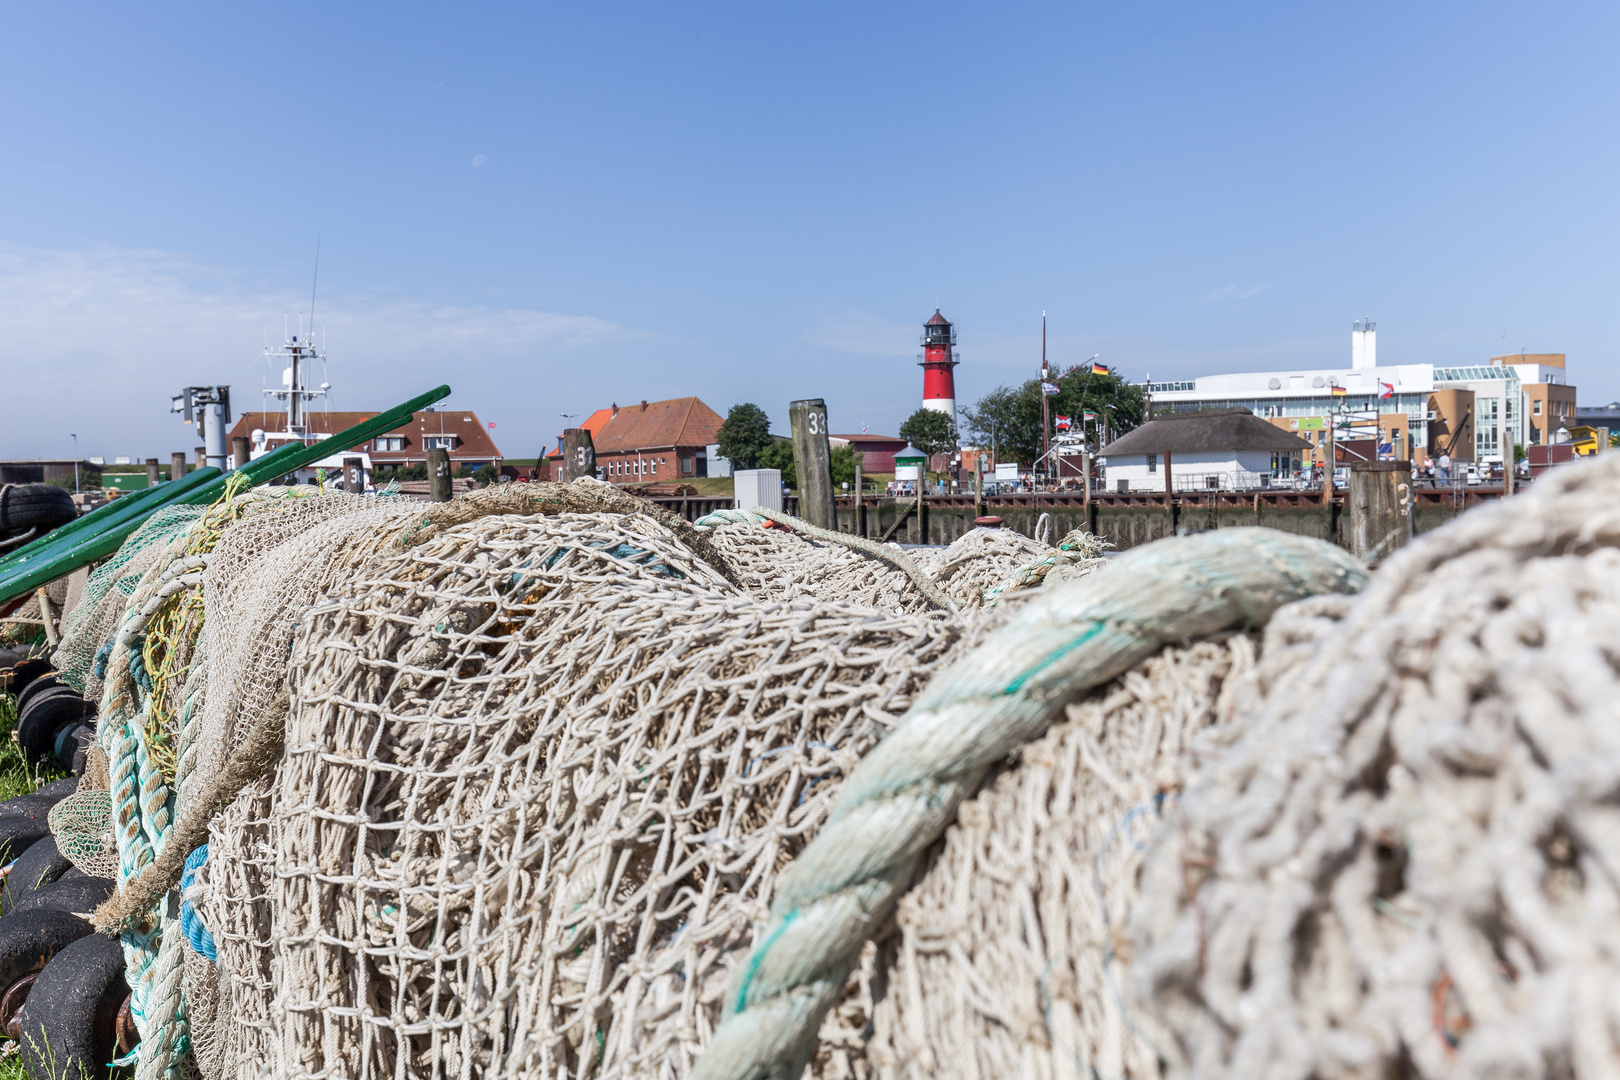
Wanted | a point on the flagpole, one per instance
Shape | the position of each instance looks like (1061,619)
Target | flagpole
(1046,438)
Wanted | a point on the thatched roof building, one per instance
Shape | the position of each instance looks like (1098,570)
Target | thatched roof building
(1210,431)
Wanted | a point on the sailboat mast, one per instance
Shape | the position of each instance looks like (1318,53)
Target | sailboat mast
(1046,426)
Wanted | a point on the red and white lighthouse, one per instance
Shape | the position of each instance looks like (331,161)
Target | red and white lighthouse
(939,357)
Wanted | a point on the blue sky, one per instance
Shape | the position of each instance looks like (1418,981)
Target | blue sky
(554,207)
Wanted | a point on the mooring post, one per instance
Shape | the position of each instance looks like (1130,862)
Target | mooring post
(1380,508)
(857,525)
(438,470)
(177,466)
(812,460)
(978,483)
(578,455)
(240,452)
(354,475)
(152,477)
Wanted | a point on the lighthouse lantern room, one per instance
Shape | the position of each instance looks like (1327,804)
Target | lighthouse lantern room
(938,358)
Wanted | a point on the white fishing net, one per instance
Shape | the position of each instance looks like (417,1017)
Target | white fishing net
(540,775)
(544,764)
(88,628)
(1408,864)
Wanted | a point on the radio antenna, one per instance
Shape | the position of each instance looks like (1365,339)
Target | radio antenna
(312,285)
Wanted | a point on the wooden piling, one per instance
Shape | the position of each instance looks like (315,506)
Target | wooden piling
(354,475)
(1380,508)
(578,455)
(438,470)
(812,461)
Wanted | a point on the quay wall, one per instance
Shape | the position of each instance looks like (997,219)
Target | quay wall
(1126,520)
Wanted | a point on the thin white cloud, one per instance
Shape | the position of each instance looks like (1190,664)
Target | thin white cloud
(1228,294)
(95,341)
(852,331)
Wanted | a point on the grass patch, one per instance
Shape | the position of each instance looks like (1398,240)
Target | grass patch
(17,777)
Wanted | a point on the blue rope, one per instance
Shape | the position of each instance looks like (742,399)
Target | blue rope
(103,655)
(191,924)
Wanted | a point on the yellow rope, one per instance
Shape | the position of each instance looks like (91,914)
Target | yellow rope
(171,635)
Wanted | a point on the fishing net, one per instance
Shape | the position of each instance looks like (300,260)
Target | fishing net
(781,564)
(541,761)
(24,628)
(540,775)
(1008,952)
(89,627)
(1407,865)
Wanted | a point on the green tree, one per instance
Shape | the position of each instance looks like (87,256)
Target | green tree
(843,462)
(745,435)
(1008,419)
(778,455)
(930,431)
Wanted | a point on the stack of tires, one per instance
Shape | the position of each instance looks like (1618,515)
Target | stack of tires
(54,724)
(29,511)
(63,996)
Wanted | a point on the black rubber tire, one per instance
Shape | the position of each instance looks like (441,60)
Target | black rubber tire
(40,865)
(43,717)
(34,506)
(36,804)
(72,746)
(25,671)
(24,821)
(73,891)
(29,939)
(57,790)
(69,1017)
(35,688)
(18,834)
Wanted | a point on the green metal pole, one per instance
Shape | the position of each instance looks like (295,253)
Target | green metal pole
(117,508)
(121,510)
(201,487)
(65,538)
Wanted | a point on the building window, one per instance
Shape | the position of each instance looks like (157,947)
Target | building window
(439,442)
(1485,428)
(1153,462)
(686,466)
(389,444)
(1535,407)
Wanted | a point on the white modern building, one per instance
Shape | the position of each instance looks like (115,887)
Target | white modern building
(1501,403)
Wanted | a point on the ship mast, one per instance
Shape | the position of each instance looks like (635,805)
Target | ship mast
(298,357)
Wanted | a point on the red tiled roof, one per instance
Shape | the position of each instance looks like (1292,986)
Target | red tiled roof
(473,438)
(653,424)
(593,424)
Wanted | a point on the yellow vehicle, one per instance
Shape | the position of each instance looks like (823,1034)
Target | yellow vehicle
(1585,440)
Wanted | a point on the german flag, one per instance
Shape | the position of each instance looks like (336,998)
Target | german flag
(1099,369)
(1339,391)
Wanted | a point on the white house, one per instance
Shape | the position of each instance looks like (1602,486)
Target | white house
(1213,449)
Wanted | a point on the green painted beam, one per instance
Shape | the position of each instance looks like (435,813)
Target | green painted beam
(81,547)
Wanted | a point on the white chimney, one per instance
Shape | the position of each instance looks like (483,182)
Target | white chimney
(1363,344)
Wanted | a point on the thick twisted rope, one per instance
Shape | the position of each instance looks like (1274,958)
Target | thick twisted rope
(905,793)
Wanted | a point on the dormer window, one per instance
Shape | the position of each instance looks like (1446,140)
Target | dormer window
(439,442)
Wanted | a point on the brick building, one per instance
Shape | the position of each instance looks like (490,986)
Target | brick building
(655,441)
(457,431)
(877,451)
